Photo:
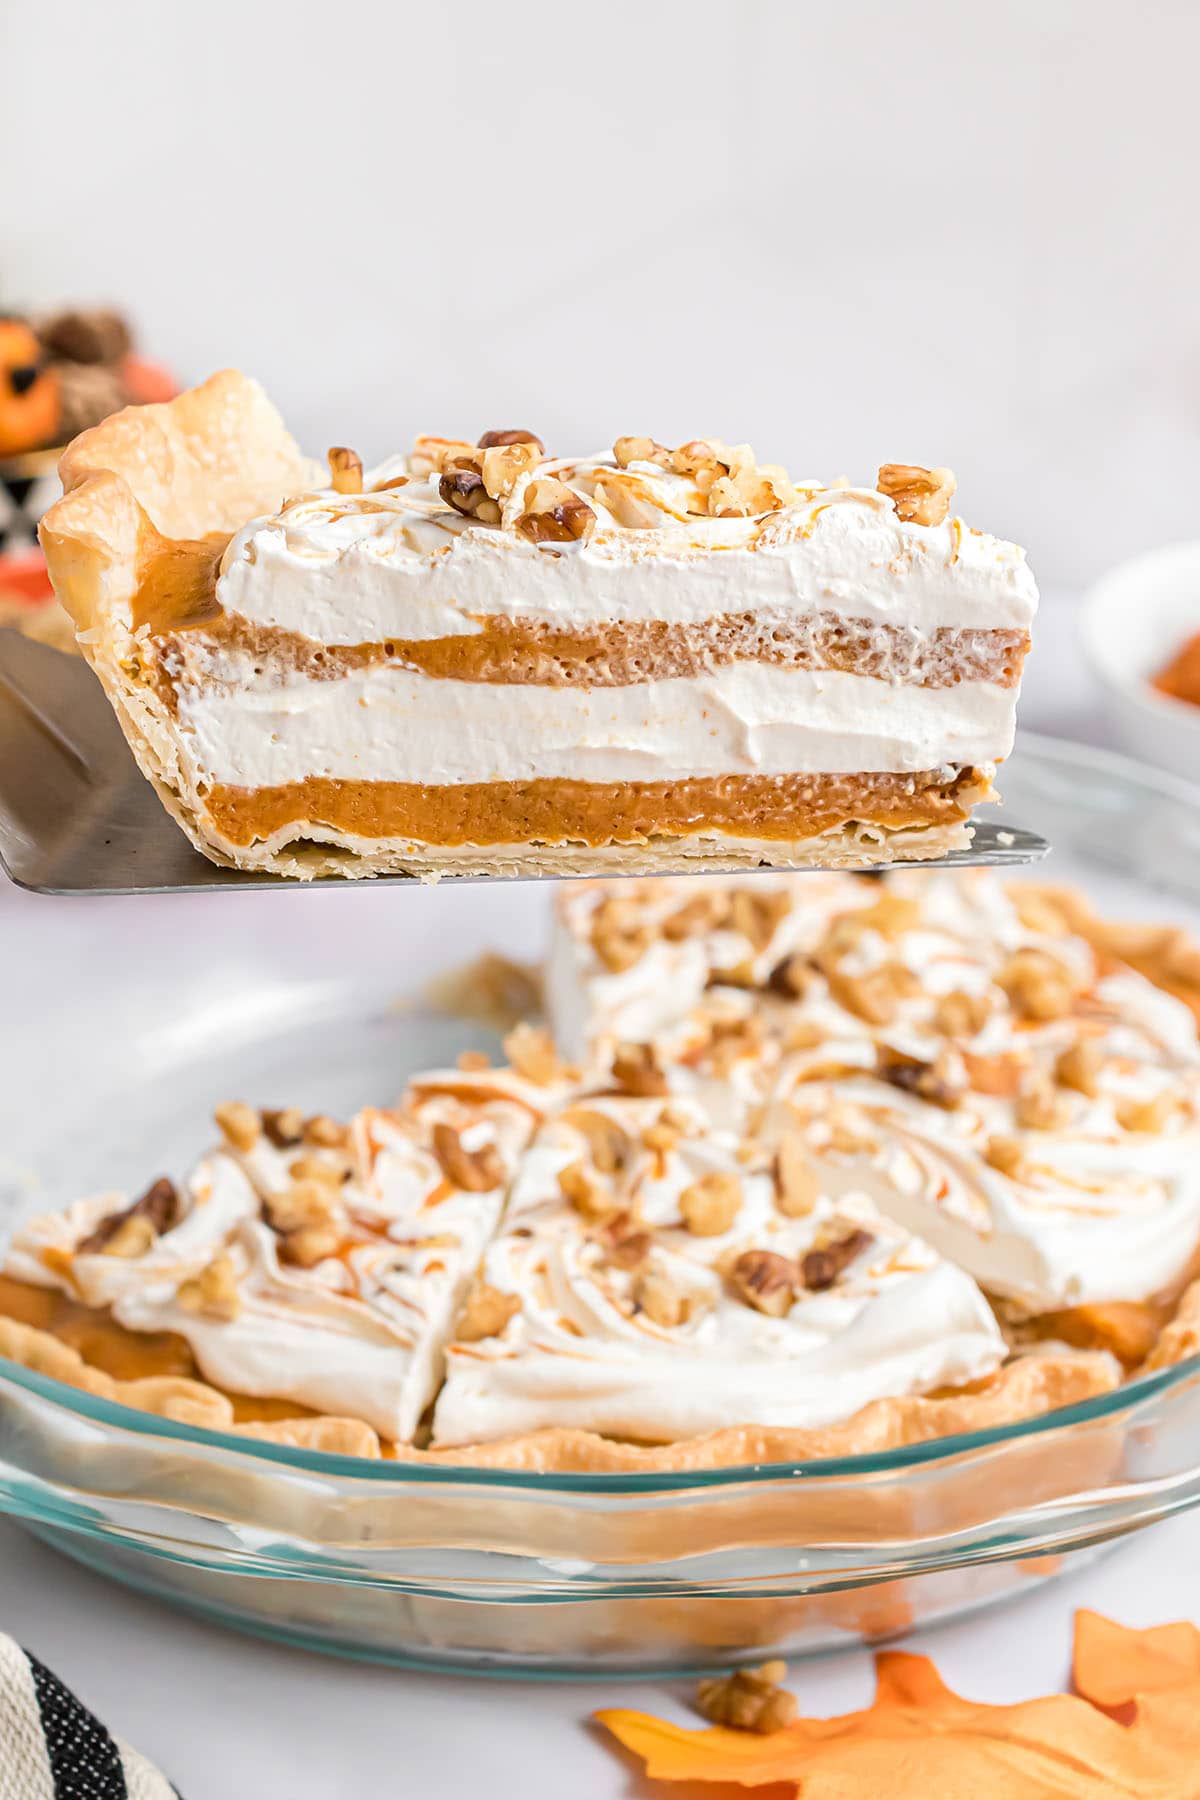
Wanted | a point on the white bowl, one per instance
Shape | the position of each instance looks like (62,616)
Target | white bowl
(1132,623)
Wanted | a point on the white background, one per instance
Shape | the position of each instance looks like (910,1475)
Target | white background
(941,232)
(935,232)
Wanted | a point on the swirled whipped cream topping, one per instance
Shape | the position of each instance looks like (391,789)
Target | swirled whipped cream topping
(652,1283)
(324,1269)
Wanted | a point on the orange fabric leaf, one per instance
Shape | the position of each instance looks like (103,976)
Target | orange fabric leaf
(918,1740)
(1112,1664)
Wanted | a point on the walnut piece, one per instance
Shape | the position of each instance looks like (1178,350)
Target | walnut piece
(238,1124)
(939,1082)
(797,1183)
(1039,986)
(502,467)
(749,1699)
(464,490)
(475,1171)
(532,1054)
(920,496)
(311,1244)
(710,1205)
(661,1300)
(156,1211)
(791,978)
(590,1196)
(498,440)
(701,914)
(628,450)
(757,915)
(345,470)
(765,1280)
(820,1268)
(959,1014)
(554,514)
(635,1070)
(608,1145)
(214,1291)
(1040,1107)
(1006,1155)
(485,1314)
(1151,1115)
(283,1126)
(1079,1067)
(304,1203)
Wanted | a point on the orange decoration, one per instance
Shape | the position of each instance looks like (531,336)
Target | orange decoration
(28,391)
(1181,677)
(920,1741)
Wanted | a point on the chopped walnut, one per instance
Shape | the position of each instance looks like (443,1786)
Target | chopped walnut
(635,1069)
(311,1245)
(1040,1107)
(820,1268)
(1039,986)
(765,1280)
(586,1192)
(710,1205)
(619,951)
(304,1203)
(238,1124)
(608,1145)
(499,440)
(797,1184)
(157,1210)
(214,1291)
(1006,1155)
(941,1082)
(959,1014)
(920,496)
(749,488)
(1079,1067)
(703,913)
(326,1133)
(871,997)
(532,1054)
(627,1241)
(758,915)
(749,1699)
(485,1314)
(554,514)
(283,1126)
(345,471)
(503,466)
(326,1171)
(473,1062)
(805,1034)
(464,491)
(628,450)
(705,460)
(1148,1115)
(661,1300)
(133,1237)
(791,978)
(475,1171)
(891,915)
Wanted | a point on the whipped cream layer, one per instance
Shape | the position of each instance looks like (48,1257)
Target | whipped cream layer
(349,569)
(390,724)
(586,1346)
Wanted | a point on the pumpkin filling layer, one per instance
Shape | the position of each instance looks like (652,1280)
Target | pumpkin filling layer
(775,807)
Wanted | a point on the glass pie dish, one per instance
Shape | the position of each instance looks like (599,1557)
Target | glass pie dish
(483,1569)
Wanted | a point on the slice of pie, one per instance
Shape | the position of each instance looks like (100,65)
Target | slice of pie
(485,658)
(302,1262)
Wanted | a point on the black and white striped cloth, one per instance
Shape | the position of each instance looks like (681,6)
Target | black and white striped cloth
(53,1748)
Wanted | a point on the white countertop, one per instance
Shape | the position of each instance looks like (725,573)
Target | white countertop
(226,1716)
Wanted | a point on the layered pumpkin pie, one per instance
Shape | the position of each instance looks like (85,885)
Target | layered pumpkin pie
(492,657)
(890,1159)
